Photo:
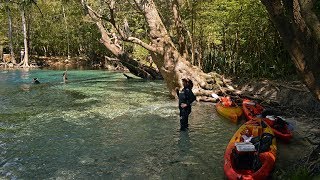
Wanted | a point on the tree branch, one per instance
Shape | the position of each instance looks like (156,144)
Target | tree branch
(112,19)
(97,17)
(141,43)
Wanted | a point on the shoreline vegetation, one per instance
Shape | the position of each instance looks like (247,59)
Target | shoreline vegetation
(62,62)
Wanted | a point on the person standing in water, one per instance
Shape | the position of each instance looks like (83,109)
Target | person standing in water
(65,76)
(186,97)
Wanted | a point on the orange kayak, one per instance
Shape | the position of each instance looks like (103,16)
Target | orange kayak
(232,113)
(240,158)
(252,110)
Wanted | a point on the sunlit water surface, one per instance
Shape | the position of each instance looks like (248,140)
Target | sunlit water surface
(101,125)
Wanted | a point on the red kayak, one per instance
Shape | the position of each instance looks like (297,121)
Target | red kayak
(251,109)
(280,128)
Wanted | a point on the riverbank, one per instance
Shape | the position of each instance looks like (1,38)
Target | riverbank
(62,62)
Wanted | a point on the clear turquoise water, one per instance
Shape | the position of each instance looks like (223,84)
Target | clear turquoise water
(101,125)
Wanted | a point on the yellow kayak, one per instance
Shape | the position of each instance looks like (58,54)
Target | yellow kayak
(232,113)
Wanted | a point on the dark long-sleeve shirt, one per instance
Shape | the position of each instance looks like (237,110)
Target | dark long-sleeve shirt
(186,96)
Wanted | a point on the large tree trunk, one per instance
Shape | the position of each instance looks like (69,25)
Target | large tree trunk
(13,59)
(25,41)
(133,66)
(172,65)
(299,28)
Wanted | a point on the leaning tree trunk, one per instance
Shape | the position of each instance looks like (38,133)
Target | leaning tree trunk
(25,41)
(133,66)
(172,65)
(299,28)
(13,59)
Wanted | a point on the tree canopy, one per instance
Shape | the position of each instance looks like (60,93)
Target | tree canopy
(231,37)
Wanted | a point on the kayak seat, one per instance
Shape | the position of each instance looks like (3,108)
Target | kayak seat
(242,161)
(255,131)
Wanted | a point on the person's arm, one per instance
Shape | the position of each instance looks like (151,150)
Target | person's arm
(190,97)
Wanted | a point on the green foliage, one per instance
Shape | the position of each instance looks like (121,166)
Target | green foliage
(140,53)
(3,27)
(16,25)
(234,37)
(51,30)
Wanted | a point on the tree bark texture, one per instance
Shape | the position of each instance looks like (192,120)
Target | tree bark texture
(299,28)
(133,66)
(25,41)
(172,65)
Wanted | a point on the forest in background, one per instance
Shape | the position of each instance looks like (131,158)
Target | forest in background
(235,38)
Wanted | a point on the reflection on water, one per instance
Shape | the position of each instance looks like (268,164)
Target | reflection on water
(25,87)
(101,125)
(24,74)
